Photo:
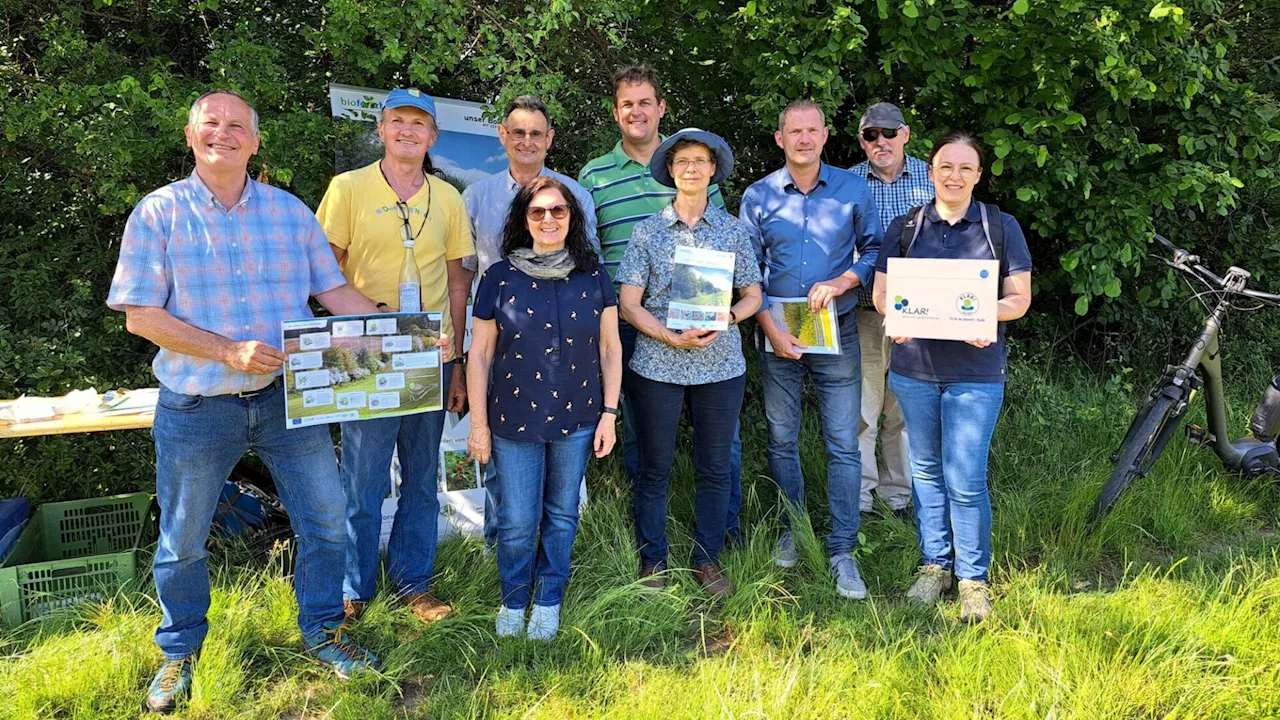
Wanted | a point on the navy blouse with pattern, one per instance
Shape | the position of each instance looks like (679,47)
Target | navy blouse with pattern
(545,378)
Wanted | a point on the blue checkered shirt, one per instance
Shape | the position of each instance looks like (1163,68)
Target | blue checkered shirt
(909,189)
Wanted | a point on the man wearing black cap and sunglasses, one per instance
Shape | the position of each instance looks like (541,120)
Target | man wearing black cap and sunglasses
(899,182)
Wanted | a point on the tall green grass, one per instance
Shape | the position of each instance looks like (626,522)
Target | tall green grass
(1171,609)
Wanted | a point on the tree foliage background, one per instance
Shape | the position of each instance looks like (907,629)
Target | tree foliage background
(1104,120)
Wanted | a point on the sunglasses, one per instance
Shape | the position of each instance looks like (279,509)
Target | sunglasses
(873,134)
(536,214)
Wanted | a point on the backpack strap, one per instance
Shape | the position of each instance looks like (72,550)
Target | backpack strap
(910,230)
(994,232)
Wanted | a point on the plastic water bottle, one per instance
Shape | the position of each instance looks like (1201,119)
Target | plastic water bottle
(410,281)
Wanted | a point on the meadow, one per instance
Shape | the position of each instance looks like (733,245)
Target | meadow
(1169,609)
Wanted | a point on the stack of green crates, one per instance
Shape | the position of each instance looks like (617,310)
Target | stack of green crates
(74,551)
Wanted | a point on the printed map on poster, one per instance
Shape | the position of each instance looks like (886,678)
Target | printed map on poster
(358,367)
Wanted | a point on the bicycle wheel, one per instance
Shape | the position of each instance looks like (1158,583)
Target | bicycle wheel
(1135,453)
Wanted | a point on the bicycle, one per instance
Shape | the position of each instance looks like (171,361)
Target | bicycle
(1252,456)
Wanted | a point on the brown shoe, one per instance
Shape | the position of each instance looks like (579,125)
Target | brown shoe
(353,609)
(713,581)
(652,577)
(426,606)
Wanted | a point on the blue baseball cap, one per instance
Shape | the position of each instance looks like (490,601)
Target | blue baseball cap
(410,97)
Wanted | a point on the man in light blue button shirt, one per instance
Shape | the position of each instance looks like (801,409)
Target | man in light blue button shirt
(526,134)
(816,233)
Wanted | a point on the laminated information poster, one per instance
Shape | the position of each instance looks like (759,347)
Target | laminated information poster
(819,330)
(941,299)
(358,367)
(701,289)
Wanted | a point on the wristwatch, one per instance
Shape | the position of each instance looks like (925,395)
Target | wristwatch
(611,411)
(383,306)
(733,318)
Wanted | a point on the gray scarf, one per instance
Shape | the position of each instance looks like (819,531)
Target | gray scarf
(551,266)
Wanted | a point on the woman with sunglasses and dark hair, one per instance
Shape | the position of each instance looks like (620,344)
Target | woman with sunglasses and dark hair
(546,356)
(951,391)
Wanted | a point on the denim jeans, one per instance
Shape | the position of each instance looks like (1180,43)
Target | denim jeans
(539,496)
(367,446)
(949,426)
(713,409)
(631,448)
(198,440)
(838,381)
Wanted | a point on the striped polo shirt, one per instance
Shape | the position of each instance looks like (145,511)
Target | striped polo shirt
(624,193)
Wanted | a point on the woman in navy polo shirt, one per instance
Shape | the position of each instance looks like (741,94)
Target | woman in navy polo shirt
(951,391)
(545,332)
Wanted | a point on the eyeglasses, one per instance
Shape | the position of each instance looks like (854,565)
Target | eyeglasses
(520,135)
(967,172)
(873,134)
(536,214)
(684,163)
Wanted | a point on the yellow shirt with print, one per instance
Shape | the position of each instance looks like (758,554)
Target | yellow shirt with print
(358,214)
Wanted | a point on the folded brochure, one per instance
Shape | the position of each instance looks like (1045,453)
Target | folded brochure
(819,330)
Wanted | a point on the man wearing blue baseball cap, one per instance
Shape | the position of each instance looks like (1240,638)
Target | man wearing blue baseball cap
(369,214)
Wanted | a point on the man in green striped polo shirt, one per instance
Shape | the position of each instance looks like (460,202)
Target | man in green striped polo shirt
(625,193)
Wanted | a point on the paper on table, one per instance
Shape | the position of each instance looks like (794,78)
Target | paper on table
(942,299)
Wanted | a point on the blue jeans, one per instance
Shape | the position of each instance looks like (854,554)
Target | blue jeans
(539,494)
(631,448)
(838,381)
(198,440)
(949,427)
(713,409)
(367,446)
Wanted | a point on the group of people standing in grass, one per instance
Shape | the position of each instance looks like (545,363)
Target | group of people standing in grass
(569,334)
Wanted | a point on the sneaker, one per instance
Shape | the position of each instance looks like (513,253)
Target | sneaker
(353,610)
(713,581)
(426,606)
(171,683)
(931,582)
(848,581)
(544,622)
(332,647)
(653,577)
(785,555)
(510,622)
(975,601)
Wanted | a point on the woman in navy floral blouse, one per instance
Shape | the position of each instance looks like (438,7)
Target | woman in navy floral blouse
(704,366)
(546,356)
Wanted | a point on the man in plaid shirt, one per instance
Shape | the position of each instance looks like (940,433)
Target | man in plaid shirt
(209,267)
(898,182)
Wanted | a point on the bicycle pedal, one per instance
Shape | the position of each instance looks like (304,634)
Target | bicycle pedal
(1197,435)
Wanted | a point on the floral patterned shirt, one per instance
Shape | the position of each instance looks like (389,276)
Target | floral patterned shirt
(648,263)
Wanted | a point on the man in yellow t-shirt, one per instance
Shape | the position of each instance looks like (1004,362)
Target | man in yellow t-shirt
(363,214)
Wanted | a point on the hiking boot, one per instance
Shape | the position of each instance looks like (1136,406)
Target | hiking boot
(332,647)
(975,601)
(848,581)
(426,606)
(713,581)
(353,610)
(171,683)
(544,622)
(653,577)
(785,555)
(510,622)
(931,582)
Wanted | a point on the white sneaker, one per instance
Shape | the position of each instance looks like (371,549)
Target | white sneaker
(510,622)
(544,622)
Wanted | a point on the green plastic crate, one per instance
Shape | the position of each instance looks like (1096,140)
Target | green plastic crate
(73,551)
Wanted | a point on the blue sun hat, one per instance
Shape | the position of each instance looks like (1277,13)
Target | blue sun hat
(410,97)
(720,148)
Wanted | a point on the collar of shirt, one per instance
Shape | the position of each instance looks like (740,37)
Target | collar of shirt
(913,167)
(203,191)
(824,175)
(713,215)
(514,186)
(973,214)
(621,158)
